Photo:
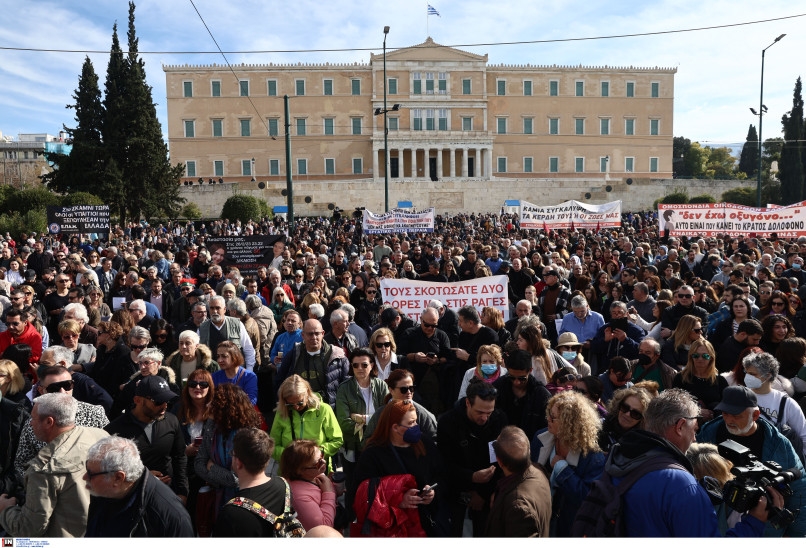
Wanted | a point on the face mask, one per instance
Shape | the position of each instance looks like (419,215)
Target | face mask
(796,266)
(570,355)
(752,382)
(488,369)
(412,434)
(643,359)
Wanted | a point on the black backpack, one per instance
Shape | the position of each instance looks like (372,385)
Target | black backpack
(785,430)
(601,513)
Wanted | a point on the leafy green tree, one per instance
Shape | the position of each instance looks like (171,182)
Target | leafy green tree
(748,161)
(771,153)
(242,207)
(790,168)
(680,147)
(696,159)
(742,196)
(702,199)
(32,199)
(191,211)
(720,164)
(81,198)
(16,223)
(679,196)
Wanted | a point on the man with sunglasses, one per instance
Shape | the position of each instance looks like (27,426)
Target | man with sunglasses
(20,331)
(427,349)
(521,396)
(684,299)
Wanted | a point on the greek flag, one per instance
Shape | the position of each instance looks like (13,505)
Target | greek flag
(432,11)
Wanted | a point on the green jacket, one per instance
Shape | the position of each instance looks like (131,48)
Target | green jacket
(314,424)
(349,401)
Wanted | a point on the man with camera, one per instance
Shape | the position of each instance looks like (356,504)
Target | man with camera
(740,422)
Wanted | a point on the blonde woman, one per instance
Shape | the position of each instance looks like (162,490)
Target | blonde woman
(489,367)
(675,350)
(701,379)
(568,451)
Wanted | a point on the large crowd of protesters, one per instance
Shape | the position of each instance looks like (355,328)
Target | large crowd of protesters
(149,387)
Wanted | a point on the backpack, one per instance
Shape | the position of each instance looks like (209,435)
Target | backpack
(286,525)
(786,430)
(601,513)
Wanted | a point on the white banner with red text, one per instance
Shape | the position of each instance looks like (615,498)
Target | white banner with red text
(412,296)
(399,221)
(732,219)
(570,215)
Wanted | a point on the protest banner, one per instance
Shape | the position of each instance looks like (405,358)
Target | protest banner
(412,296)
(248,253)
(80,219)
(570,214)
(399,221)
(731,219)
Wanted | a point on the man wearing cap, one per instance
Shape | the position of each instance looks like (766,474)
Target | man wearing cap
(156,433)
(741,422)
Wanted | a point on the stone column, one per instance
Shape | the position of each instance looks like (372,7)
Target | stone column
(375,173)
(465,150)
(489,166)
(453,162)
(439,163)
(477,172)
(400,166)
(414,163)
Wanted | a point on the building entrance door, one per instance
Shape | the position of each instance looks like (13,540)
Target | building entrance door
(432,168)
(393,168)
(471,164)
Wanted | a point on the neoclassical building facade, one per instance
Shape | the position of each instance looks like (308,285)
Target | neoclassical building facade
(459,118)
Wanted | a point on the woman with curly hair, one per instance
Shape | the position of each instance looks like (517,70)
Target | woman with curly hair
(624,413)
(230,411)
(776,329)
(568,452)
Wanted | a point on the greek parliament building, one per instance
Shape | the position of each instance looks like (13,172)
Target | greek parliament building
(460,120)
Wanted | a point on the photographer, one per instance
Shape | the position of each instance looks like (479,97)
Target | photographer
(740,422)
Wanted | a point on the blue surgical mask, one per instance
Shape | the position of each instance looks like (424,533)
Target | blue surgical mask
(796,266)
(570,355)
(488,369)
(412,434)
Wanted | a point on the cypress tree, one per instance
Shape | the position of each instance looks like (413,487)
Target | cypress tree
(748,161)
(115,132)
(790,168)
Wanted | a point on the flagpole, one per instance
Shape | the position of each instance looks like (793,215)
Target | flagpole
(427,31)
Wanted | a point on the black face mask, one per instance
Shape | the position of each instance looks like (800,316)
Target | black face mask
(644,360)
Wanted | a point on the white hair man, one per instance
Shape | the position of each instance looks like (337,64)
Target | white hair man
(78,312)
(219,328)
(56,499)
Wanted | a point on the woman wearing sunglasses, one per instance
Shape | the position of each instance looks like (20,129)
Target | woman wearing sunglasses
(624,413)
(675,350)
(401,388)
(701,379)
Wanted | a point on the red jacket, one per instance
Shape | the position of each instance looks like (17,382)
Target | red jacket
(30,336)
(267,294)
(386,517)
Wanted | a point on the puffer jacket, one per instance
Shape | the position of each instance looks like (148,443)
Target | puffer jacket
(13,417)
(268,330)
(386,517)
(338,368)
(204,360)
(57,499)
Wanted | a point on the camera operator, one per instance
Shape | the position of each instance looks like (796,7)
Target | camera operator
(740,422)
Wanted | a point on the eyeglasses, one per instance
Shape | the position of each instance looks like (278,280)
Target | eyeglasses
(521,378)
(161,335)
(685,295)
(765,292)
(198,384)
(318,465)
(69,336)
(635,414)
(697,356)
(430,325)
(387,344)
(406,389)
(146,363)
(296,405)
(138,346)
(91,475)
(697,329)
(581,391)
(361,365)
(371,292)
(777,303)
(62,281)
(58,386)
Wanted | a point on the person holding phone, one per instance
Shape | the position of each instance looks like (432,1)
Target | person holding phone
(618,337)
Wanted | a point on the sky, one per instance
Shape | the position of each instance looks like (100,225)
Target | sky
(717,80)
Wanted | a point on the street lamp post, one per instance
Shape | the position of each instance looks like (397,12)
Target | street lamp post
(385,130)
(761,110)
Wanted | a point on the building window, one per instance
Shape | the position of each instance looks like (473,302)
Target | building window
(527,165)
(605,89)
(215,88)
(302,166)
(629,126)
(527,88)
(442,83)
(301,126)
(327,87)
(190,168)
(580,89)
(429,119)
(299,86)
(466,86)
(218,168)
(328,126)
(330,166)
(190,128)
(355,86)
(554,126)
(604,126)
(442,117)
(554,88)
(274,126)
(579,126)
(653,127)
(502,125)
(417,83)
(528,124)
(501,86)
(246,167)
(392,86)
(187,88)
(246,128)
(274,167)
(358,166)
(429,83)
(244,88)
(393,123)
(629,164)
(502,164)
(554,164)
(655,89)
(653,165)
(417,122)
(579,165)
(271,87)
(603,164)
(467,123)
(218,128)
(356,125)
(630,89)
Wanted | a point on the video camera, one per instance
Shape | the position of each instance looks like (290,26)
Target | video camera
(752,477)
